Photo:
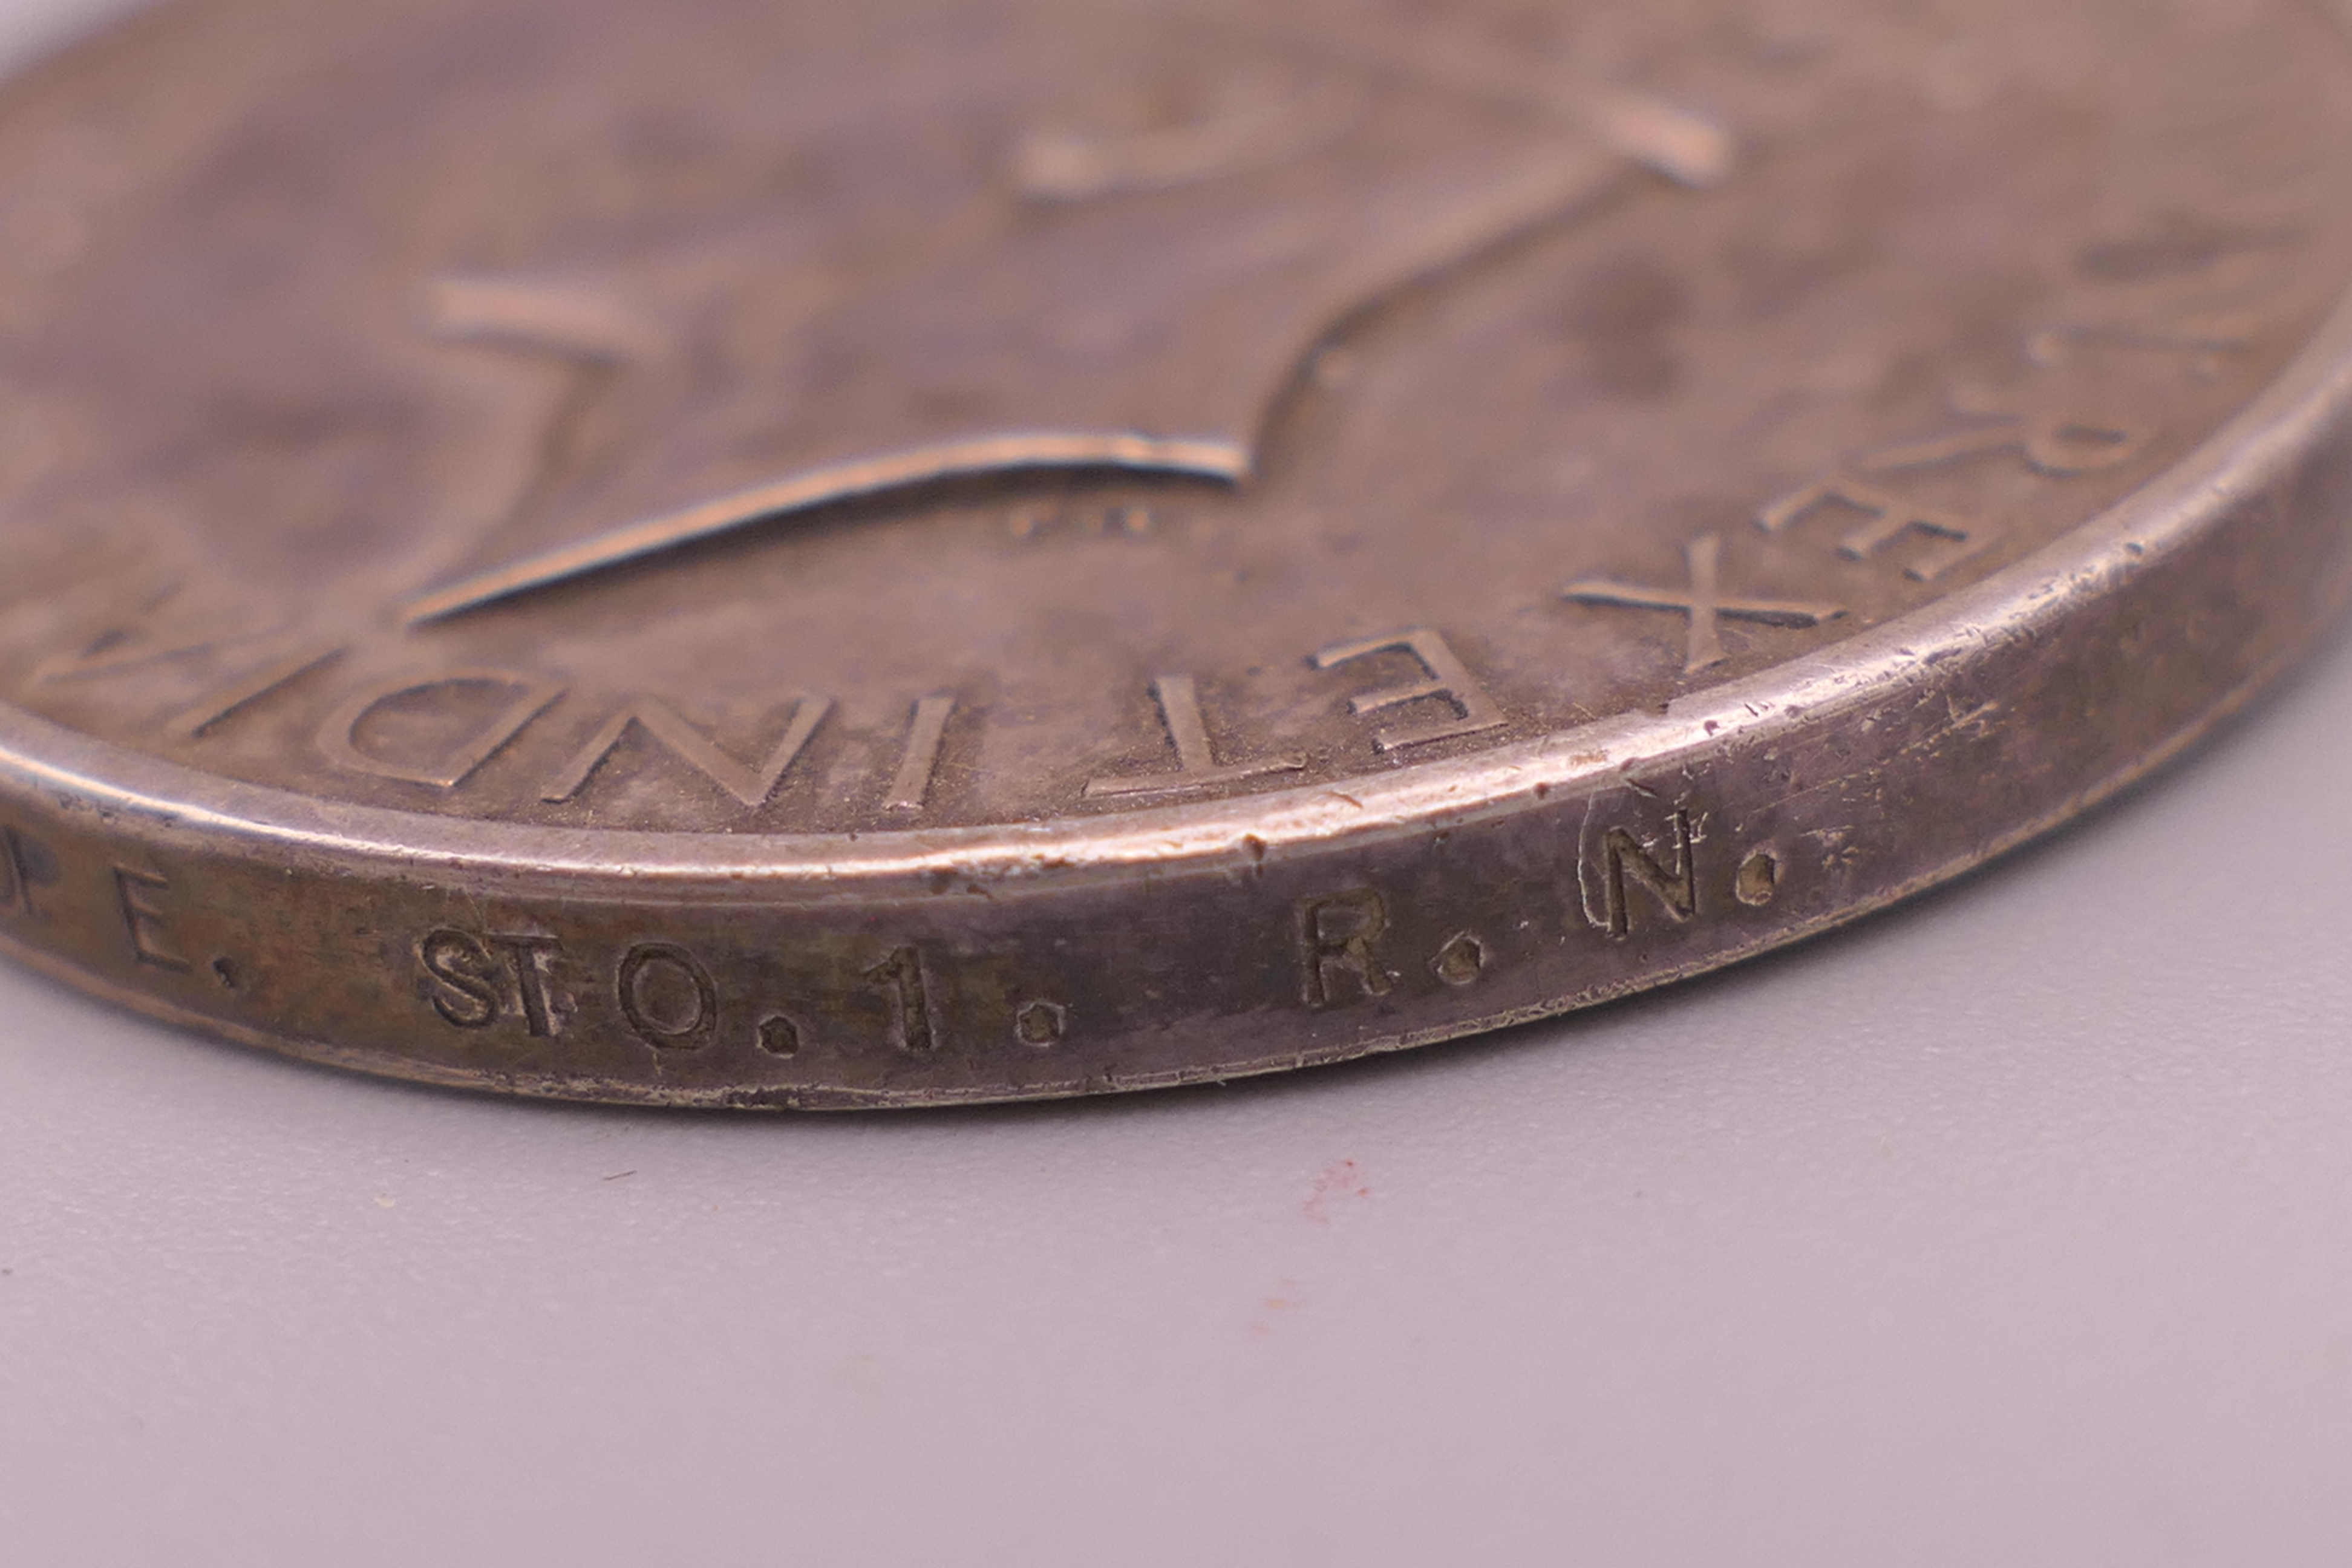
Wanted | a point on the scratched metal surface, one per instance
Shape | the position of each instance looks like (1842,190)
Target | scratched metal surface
(2006,1229)
(2009,1229)
(1571,499)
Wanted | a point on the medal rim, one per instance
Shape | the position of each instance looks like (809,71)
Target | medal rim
(2309,401)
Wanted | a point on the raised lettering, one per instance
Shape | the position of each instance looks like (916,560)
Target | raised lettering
(912,786)
(234,696)
(750,786)
(1704,604)
(25,863)
(465,988)
(530,958)
(1197,767)
(1626,859)
(2058,446)
(903,985)
(668,998)
(469,979)
(446,760)
(145,921)
(1445,678)
(162,628)
(1886,517)
(2202,341)
(157,628)
(1338,947)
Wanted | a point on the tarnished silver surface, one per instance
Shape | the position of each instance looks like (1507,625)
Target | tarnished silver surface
(764,556)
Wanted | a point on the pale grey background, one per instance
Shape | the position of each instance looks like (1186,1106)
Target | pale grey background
(2015,1229)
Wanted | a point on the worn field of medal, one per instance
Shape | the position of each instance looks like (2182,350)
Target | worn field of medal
(739,553)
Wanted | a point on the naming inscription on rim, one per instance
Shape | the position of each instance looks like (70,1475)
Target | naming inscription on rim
(772,555)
